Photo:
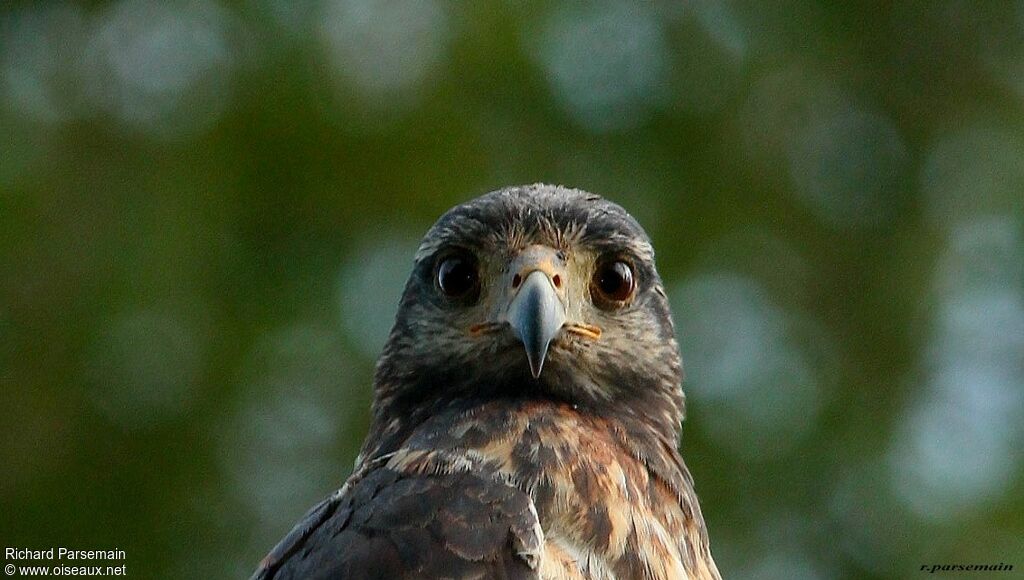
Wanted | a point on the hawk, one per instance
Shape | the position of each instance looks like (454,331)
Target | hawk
(526,415)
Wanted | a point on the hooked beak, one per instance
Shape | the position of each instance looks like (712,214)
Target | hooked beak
(536,314)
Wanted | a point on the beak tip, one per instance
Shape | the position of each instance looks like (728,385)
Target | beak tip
(536,368)
(535,358)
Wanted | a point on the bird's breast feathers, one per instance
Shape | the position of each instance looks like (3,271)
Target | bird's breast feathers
(602,512)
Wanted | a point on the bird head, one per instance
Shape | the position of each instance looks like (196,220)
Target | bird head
(536,291)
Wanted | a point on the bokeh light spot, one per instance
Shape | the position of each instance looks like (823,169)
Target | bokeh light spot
(385,49)
(962,444)
(40,50)
(744,362)
(719,19)
(847,166)
(604,62)
(159,68)
(369,287)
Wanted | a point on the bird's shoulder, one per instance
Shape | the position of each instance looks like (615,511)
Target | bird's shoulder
(441,520)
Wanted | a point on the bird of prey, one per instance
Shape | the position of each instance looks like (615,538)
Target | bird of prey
(526,415)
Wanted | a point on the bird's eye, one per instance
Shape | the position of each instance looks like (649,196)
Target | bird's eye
(613,284)
(457,276)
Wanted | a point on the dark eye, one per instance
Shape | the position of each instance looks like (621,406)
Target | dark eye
(457,276)
(613,283)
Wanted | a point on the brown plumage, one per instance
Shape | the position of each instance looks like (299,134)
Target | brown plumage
(526,415)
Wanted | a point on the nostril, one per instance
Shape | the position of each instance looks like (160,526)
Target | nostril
(557,280)
(517,280)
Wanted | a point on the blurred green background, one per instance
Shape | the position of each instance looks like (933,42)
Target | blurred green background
(207,210)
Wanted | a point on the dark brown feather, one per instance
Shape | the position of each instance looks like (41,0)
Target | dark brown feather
(390,525)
